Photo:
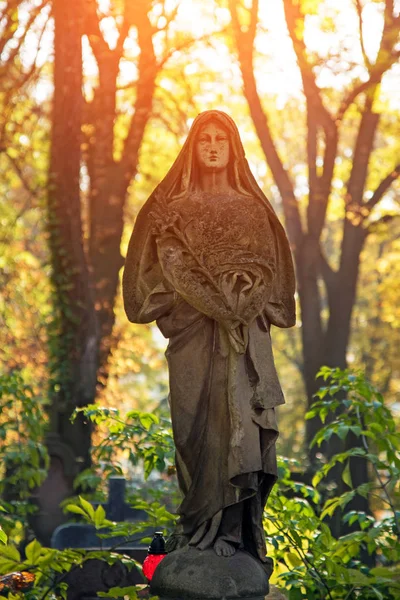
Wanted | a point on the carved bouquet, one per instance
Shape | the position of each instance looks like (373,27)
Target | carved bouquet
(216,252)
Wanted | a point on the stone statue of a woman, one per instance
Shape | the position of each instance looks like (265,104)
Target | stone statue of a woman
(210,262)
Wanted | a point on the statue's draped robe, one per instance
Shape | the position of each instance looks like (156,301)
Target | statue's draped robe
(209,270)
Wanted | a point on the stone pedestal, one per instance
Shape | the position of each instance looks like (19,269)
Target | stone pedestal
(190,574)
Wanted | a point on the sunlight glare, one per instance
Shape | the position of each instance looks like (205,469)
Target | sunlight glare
(109,30)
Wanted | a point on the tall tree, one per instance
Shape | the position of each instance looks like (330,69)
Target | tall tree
(323,342)
(322,345)
(75,331)
(86,221)
(110,177)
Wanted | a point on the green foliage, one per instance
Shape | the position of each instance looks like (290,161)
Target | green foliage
(360,409)
(119,592)
(311,563)
(149,441)
(144,438)
(24,456)
(3,537)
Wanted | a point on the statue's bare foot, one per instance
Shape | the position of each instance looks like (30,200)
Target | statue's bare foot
(222,548)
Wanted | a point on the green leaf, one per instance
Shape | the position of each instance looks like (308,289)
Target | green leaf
(87,507)
(295,593)
(297,538)
(119,592)
(10,559)
(342,431)
(377,593)
(3,537)
(147,420)
(99,516)
(10,552)
(329,507)
(383,572)
(346,475)
(358,578)
(293,559)
(33,551)
(364,489)
(75,509)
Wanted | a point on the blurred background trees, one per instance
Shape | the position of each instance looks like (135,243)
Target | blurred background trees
(96,98)
(327,284)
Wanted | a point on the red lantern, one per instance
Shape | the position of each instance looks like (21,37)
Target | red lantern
(154,556)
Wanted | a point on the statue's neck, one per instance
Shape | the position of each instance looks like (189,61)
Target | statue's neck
(215,182)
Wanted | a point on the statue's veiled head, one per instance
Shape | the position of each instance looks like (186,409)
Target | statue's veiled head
(213,143)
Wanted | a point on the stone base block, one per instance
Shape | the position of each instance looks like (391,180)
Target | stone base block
(190,574)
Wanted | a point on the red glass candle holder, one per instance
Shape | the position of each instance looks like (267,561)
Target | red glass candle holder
(150,564)
(154,556)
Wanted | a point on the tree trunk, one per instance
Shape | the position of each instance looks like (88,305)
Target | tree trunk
(110,179)
(74,336)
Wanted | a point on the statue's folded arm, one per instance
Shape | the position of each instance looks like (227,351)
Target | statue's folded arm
(194,285)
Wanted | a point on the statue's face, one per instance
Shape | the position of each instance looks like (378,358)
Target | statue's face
(212,148)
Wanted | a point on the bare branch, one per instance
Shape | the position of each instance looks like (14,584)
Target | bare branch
(34,72)
(123,34)
(245,47)
(312,138)
(32,18)
(182,128)
(292,359)
(148,69)
(312,92)
(329,275)
(387,56)
(8,26)
(185,44)
(92,30)
(17,84)
(383,187)
(253,20)
(362,152)
(359,10)
(331,144)
(318,116)
(320,187)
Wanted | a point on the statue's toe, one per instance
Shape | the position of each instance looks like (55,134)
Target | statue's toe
(223,548)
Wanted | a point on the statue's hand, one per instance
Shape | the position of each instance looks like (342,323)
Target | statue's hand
(238,336)
(238,287)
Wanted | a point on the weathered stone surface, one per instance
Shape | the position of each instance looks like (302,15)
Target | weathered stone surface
(198,575)
(210,262)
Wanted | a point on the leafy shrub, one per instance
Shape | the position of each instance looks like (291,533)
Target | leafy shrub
(310,563)
(24,458)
